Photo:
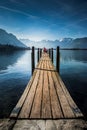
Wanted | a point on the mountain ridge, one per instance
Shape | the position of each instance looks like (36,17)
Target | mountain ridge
(78,43)
(10,39)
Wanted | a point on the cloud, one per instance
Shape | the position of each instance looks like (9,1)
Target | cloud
(20,12)
(17,2)
(33,17)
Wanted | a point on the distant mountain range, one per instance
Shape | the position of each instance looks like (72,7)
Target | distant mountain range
(8,40)
(66,43)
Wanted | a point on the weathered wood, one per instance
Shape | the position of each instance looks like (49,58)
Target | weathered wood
(25,111)
(67,110)
(57,59)
(40,52)
(36,108)
(56,110)
(38,55)
(46,110)
(17,108)
(33,59)
(72,104)
(46,96)
(55,105)
(67,102)
(26,108)
(19,105)
(7,124)
(70,124)
(52,55)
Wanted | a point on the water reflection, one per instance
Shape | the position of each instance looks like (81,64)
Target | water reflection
(15,72)
(9,58)
(79,55)
(73,70)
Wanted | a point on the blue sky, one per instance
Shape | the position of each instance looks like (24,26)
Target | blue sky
(44,19)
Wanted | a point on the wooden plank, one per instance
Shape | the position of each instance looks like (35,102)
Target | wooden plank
(56,109)
(36,108)
(73,105)
(46,96)
(19,105)
(25,111)
(46,110)
(55,105)
(17,108)
(67,111)
(26,108)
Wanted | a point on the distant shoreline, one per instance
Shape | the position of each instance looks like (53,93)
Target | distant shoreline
(14,48)
(72,49)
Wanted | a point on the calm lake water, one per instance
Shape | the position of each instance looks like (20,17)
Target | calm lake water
(15,72)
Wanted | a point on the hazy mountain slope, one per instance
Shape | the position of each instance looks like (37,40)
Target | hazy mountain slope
(80,43)
(9,39)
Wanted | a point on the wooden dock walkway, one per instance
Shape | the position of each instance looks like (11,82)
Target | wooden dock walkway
(46,96)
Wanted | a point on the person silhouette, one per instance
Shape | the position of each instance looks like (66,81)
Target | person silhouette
(45,50)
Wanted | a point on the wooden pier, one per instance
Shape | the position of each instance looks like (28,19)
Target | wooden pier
(46,96)
(46,103)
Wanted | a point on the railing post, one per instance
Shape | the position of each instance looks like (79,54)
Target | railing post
(33,59)
(52,54)
(57,59)
(38,56)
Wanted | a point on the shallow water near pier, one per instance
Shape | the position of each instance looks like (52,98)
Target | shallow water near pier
(15,72)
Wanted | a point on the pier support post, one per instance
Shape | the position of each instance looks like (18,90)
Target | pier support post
(33,59)
(57,59)
(38,55)
(40,52)
(52,54)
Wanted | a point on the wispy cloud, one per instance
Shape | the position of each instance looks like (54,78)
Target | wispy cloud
(33,17)
(20,12)
(17,2)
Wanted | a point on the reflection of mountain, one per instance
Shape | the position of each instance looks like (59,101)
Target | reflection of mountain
(9,40)
(79,43)
(68,55)
(10,58)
